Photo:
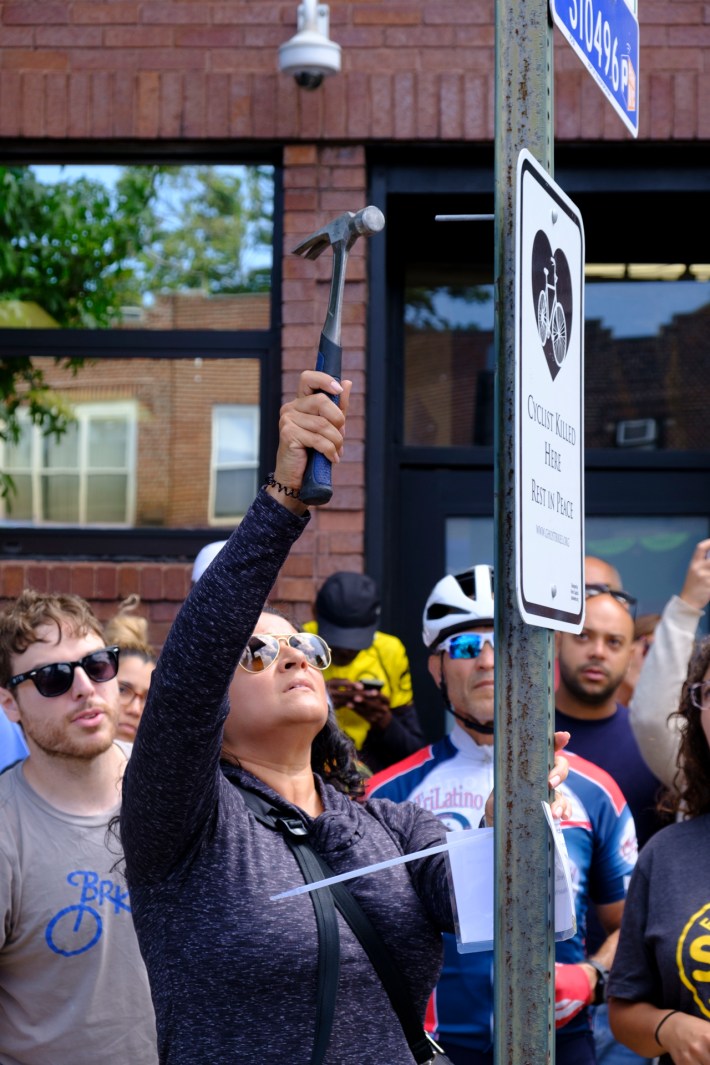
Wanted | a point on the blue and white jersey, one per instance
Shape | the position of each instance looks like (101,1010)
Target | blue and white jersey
(453,778)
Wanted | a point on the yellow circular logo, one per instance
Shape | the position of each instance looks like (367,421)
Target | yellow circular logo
(693,958)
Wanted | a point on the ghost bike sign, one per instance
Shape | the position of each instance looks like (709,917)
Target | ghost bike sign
(549,402)
(605,36)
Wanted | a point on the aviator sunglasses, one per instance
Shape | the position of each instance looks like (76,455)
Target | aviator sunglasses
(58,677)
(627,600)
(466,644)
(263,648)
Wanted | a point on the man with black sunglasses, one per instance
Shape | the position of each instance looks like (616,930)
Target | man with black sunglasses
(73,986)
(453,778)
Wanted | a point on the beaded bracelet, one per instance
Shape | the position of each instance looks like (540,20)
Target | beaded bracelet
(271,482)
(660,1025)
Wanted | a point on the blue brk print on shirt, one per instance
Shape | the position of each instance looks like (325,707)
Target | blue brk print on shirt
(77,928)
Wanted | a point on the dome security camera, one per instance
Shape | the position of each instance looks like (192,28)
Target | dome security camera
(310,55)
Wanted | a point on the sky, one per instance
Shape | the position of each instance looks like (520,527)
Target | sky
(49,174)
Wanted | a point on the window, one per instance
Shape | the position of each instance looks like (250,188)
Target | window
(144,246)
(86,476)
(449,358)
(652,554)
(646,348)
(235,460)
(147,283)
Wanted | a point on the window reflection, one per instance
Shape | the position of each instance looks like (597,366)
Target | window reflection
(647,346)
(448,365)
(152,442)
(149,246)
(652,554)
(235,450)
(84,476)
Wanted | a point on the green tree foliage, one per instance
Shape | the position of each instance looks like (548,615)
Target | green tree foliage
(205,219)
(69,246)
(82,250)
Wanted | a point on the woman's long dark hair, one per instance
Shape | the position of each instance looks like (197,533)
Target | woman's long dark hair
(333,757)
(692,780)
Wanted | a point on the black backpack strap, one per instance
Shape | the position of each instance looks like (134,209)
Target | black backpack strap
(420,1044)
(296,835)
(315,868)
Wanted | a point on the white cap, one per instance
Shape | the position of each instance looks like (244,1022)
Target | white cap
(205,556)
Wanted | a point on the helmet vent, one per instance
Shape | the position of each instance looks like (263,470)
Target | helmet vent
(442,610)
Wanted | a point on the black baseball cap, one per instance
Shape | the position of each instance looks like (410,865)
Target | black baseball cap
(347,610)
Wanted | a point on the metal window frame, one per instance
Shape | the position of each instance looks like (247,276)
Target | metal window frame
(38,470)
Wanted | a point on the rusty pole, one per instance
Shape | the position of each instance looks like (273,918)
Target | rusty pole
(524,942)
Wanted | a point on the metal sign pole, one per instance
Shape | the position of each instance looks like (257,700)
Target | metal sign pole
(524,942)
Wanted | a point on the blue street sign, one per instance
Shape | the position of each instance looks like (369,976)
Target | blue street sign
(605,36)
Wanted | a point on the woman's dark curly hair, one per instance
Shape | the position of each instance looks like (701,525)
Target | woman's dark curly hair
(692,779)
(333,757)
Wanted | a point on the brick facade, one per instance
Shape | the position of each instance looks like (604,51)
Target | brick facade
(412,70)
(161,586)
(206,70)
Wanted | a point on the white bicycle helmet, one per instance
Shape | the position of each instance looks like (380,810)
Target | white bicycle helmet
(457,603)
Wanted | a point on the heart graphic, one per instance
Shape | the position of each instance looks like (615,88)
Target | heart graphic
(552,300)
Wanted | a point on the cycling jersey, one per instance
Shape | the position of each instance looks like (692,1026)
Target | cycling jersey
(453,778)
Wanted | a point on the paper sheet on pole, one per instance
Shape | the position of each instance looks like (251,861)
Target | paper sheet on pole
(565,913)
(471,864)
(471,868)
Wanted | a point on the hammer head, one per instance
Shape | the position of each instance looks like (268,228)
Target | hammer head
(343,230)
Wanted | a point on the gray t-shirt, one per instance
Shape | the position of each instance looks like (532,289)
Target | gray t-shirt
(73,986)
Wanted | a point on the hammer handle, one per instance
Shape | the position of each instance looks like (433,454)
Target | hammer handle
(317,485)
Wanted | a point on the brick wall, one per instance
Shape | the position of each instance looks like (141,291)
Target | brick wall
(412,70)
(161,586)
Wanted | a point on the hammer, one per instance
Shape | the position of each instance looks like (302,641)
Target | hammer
(340,234)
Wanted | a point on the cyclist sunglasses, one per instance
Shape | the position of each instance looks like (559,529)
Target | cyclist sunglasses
(58,677)
(466,644)
(627,600)
(263,648)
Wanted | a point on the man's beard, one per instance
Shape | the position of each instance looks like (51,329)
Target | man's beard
(596,697)
(52,740)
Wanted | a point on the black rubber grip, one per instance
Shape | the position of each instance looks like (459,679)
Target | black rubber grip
(317,487)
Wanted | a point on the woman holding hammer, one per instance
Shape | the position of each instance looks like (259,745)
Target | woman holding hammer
(237,759)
